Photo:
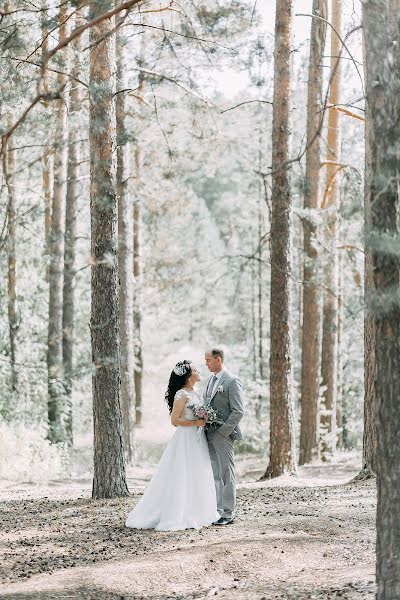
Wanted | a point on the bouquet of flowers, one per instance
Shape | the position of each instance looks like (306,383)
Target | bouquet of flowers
(207,414)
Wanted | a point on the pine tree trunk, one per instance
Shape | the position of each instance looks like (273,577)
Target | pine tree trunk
(311,335)
(282,442)
(56,398)
(137,314)
(369,433)
(47,160)
(137,233)
(124,258)
(330,304)
(339,403)
(383,90)
(12,262)
(109,479)
(260,274)
(70,231)
(254,322)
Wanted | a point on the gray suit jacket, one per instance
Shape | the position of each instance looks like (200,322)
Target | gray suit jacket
(228,400)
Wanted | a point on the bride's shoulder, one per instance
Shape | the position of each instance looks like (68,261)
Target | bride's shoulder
(182,394)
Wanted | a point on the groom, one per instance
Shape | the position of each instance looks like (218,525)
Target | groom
(224,392)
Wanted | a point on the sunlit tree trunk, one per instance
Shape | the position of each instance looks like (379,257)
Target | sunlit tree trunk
(75,101)
(339,403)
(12,261)
(260,279)
(109,478)
(124,257)
(311,336)
(137,234)
(369,432)
(282,457)
(56,397)
(47,161)
(254,322)
(383,93)
(331,271)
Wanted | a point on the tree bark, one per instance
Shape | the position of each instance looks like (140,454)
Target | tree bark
(137,233)
(12,262)
(47,160)
(124,258)
(369,432)
(260,278)
(311,335)
(254,322)
(56,398)
(383,88)
(282,457)
(75,100)
(109,479)
(340,328)
(330,304)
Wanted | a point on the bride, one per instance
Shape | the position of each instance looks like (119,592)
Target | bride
(181,494)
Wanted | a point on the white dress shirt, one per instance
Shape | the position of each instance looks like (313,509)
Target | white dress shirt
(218,376)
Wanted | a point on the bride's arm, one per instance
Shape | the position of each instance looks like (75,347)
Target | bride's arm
(177,410)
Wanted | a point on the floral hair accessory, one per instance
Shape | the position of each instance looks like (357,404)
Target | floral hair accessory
(181,368)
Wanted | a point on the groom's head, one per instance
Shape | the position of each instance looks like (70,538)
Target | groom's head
(214,360)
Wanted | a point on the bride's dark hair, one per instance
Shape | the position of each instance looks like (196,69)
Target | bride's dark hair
(177,380)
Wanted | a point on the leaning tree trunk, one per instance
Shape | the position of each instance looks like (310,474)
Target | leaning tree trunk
(383,90)
(12,261)
(137,233)
(75,101)
(331,268)
(56,408)
(109,479)
(282,457)
(124,257)
(311,337)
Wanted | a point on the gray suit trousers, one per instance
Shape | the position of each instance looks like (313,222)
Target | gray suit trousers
(223,466)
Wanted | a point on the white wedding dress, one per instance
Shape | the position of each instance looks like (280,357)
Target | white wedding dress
(181,494)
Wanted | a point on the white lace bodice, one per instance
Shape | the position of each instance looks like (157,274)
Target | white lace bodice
(191,398)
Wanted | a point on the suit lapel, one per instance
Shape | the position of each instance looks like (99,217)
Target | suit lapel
(219,383)
(205,393)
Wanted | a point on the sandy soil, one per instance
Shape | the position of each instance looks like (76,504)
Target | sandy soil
(310,537)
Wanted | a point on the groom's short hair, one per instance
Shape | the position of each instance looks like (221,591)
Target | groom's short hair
(218,352)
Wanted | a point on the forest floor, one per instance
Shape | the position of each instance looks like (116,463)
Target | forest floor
(306,537)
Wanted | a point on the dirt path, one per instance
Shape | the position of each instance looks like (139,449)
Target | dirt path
(292,539)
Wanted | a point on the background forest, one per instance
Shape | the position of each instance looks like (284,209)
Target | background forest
(178,176)
(194,86)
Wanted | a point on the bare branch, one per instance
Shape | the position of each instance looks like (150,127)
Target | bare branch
(34,64)
(347,112)
(171,80)
(246,102)
(188,37)
(342,41)
(128,4)
(48,96)
(298,158)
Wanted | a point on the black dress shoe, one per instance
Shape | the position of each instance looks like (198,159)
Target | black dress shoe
(223,521)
